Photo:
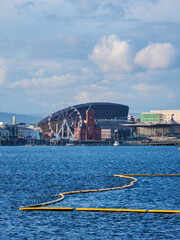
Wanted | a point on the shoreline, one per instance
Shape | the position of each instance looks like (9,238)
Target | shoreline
(97,143)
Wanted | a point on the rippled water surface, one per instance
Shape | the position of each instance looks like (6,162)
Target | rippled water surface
(37,174)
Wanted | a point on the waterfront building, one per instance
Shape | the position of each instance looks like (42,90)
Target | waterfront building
(90,129)
(161,116)
(151,117)
(159,130)
(28,132)
(117,126)
(13,132)
(108,117)
(167,114)
(4,133)
(8,132)
(102,111)
(105,134)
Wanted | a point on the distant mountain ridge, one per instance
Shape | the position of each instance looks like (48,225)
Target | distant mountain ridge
(29,119)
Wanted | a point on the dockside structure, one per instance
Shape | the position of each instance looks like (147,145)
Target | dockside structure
(102,111)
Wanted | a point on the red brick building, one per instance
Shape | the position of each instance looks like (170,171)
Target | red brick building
(89,130)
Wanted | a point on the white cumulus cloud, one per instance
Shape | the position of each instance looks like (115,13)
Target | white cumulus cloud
(53,82)
(115,56)
(156,55)
(112,55)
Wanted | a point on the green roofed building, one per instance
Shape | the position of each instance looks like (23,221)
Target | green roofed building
(151,117)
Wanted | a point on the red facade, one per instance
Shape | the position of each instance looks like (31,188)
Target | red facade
(89,130)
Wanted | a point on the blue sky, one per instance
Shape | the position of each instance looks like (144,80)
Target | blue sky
(75,51)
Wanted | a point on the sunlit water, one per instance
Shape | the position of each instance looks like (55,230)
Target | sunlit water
(37,174)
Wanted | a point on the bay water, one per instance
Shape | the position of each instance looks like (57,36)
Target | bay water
(34,174)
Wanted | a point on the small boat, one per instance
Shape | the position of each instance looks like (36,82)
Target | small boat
(116,143)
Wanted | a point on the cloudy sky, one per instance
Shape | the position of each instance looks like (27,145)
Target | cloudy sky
(55,52)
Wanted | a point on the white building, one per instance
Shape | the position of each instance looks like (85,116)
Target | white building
(105,134)
(30,131)
(167,114)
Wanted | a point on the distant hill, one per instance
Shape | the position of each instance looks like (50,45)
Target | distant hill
(32,119)
(29,119)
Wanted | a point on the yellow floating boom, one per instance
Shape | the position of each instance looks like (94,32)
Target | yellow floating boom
(47,208)
(166,175)
(138,175)
(111,210)
(164,211)
(40,206)
(62,209)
